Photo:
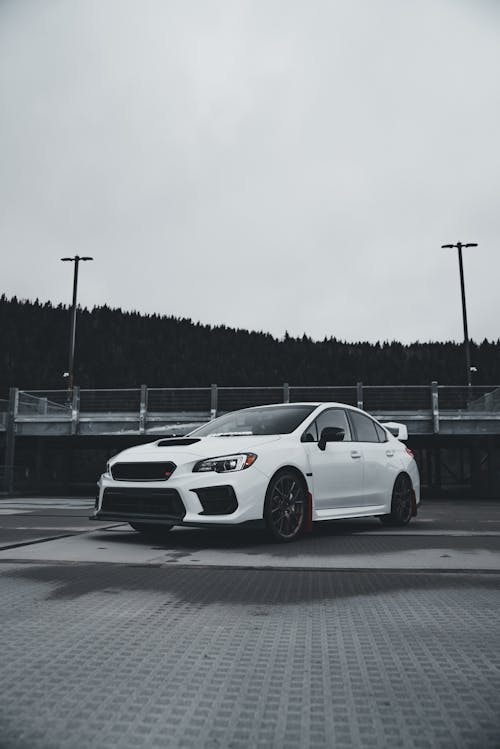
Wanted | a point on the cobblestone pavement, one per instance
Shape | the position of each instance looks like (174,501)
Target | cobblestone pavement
(120,655)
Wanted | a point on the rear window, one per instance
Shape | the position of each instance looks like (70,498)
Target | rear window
(364,427)
(381,433)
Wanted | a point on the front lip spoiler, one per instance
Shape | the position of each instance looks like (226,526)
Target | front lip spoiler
(164,520)
(125,517)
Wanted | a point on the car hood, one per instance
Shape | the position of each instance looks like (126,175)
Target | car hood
(180,452)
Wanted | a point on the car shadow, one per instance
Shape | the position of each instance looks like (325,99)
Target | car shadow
(269,588)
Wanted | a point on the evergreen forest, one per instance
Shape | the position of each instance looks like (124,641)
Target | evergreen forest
(124,349)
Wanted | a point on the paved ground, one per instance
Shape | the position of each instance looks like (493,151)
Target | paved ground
(215,639)
(446,536)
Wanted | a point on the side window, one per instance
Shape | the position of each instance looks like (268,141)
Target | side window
(334,417)
(311,434)
(364,427)
(382,436)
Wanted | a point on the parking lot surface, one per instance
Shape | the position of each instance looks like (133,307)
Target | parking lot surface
(217,639)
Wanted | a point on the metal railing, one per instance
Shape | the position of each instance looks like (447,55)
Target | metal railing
(215,399)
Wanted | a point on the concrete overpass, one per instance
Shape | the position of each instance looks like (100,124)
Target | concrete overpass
(436,415)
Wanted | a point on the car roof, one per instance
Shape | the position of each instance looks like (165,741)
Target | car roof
(302,403)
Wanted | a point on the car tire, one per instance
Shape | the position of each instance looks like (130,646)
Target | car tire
(285,506)
(401,502)
(148,529)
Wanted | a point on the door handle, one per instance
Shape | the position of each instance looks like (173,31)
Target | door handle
(355,454)
(389,453)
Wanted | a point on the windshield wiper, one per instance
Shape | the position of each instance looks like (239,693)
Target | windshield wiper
(230,434)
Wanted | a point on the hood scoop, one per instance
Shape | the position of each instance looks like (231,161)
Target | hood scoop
(182,441)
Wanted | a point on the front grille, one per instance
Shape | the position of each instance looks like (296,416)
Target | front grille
(154,471)
(130,502)
(217,500)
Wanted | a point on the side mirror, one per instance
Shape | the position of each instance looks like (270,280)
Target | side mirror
(330,434)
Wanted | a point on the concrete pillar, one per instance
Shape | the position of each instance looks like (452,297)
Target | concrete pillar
(359,390)
(286,392)
(143,409)
(435,406)
(75,410)
(213,401)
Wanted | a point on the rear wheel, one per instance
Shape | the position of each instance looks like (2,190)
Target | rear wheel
(401,503)
(148,529)
(285,506)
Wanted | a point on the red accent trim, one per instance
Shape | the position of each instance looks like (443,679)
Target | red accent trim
(309,520)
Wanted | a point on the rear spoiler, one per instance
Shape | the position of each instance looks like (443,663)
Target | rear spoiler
(400,431)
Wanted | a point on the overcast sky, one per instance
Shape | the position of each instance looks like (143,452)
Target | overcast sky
(268,164)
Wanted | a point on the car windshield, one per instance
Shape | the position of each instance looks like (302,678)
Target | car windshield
(261,420)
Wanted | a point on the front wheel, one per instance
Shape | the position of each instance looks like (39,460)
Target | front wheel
(148,529)
(401,503)
(285,506)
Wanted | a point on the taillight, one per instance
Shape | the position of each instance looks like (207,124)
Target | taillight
(409,452)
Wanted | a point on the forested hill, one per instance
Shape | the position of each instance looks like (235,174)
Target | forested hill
(125,349)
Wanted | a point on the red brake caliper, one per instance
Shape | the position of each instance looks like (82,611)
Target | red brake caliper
(309,518)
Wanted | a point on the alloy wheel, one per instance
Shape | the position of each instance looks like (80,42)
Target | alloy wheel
(286,507)
(402,500)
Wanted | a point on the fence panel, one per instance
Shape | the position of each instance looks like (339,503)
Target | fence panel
(324,393)
(473,398)
(164,400)
(233,398)
(34,402)
(127,400)
(397,398)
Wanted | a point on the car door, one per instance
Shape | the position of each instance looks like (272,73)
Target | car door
(378,458)
(337,471)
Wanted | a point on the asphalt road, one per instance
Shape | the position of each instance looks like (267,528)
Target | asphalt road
(354,636)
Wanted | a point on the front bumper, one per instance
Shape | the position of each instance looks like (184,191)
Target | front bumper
(190,499)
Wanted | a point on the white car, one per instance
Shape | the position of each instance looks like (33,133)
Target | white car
(284,466)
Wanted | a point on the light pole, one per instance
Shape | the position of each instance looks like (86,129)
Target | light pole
(459,246)
(71,368)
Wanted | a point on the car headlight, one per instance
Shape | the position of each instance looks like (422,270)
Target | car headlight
(226,463)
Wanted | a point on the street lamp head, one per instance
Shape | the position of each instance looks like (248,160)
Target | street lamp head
(458,245)
(73,259)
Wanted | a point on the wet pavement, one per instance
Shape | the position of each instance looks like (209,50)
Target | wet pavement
(354,636)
